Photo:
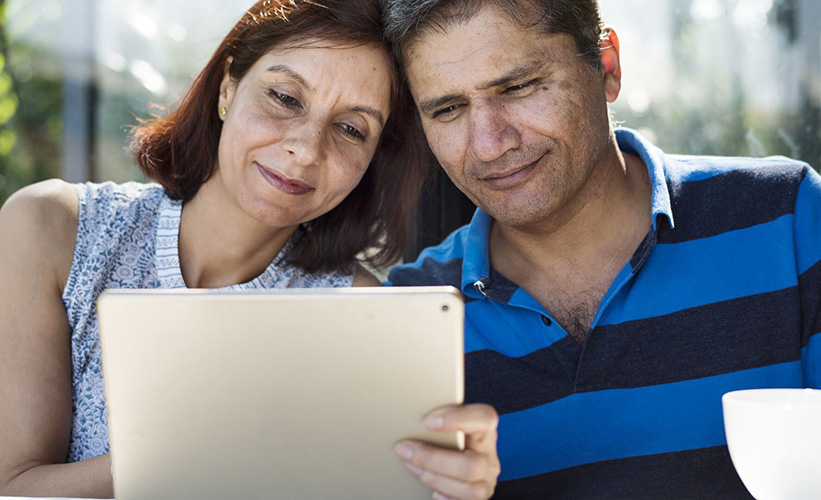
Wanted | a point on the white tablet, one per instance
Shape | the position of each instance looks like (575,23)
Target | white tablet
(276,394)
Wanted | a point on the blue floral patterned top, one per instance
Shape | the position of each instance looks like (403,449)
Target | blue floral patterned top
(127,238)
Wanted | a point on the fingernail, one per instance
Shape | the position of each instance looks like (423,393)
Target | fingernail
(439,496)
(435,422)
(416,471)
(403,451)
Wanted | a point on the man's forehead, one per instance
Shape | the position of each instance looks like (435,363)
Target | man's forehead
(492,57)
(444,72)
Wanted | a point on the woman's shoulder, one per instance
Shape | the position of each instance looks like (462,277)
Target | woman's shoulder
(119,196)
(52,194)
(110,210)
(49,219)
(46,208)
(41,219)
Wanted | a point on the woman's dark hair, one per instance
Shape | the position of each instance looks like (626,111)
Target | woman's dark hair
(179,150)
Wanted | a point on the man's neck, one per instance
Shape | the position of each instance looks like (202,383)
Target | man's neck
(568,262)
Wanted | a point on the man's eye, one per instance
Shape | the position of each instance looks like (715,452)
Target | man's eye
(445,111)
(522,86)
(352,132)
(284,99)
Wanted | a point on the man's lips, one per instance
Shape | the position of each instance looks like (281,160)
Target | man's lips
(284,184)
(509,178)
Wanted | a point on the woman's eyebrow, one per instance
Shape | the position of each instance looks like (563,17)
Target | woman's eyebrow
(279,68)
(376,114)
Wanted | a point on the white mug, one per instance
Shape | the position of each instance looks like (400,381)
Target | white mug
(774,437)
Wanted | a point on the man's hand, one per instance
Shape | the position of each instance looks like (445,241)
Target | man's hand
(469,474)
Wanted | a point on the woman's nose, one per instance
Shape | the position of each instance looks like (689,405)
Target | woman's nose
(305,144)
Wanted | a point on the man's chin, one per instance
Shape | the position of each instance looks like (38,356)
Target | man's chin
(513,215)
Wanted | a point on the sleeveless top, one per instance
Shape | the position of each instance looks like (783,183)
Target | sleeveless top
(127,238)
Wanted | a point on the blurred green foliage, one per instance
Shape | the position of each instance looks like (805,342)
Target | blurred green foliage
(31,123)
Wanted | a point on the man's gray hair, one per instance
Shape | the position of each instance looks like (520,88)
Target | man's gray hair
(406,21)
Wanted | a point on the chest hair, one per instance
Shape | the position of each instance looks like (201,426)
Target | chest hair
(574,304)
(576,316)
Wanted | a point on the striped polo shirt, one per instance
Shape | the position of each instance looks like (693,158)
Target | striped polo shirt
(724,293)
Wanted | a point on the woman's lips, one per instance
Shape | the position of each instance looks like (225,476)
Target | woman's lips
(284,184)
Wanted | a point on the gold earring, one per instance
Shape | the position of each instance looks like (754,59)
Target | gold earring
(223,111)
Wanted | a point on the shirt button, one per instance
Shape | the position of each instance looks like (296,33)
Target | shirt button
(546,321)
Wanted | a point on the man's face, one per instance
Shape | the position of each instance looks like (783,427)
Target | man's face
(516,118)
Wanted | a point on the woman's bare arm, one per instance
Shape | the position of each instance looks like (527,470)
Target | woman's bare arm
(38,227)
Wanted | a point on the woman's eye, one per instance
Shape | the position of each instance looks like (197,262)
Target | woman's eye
(352,132)
(520,87)
(284,99)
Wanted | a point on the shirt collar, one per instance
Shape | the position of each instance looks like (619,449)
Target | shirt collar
(476,262)
(631,142)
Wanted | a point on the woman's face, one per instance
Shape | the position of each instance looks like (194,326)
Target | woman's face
(301,128)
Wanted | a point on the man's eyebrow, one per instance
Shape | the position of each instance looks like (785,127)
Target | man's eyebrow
(511,76)
(432,104)
(279,68)
(517,73)
(370,111)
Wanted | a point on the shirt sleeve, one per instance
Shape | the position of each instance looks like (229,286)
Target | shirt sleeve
(808,259)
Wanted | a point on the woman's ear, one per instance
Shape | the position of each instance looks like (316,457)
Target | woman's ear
(227,89)
(609,49)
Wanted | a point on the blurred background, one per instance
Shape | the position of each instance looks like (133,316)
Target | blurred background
(726,77)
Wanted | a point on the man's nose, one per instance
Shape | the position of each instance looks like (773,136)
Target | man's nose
(491,133)
(305,144)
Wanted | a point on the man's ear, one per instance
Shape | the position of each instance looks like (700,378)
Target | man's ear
(227,89)
(609,49)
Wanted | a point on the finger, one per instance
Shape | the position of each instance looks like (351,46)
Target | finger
(475,417)
(466,466)
(477,421)
(448,487)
